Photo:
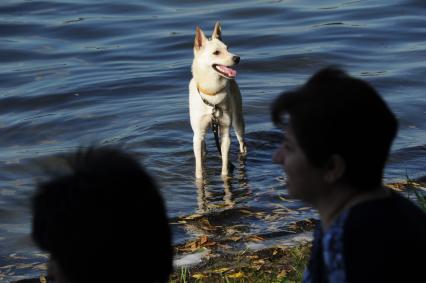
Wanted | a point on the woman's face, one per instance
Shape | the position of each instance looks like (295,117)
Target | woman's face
(304,180)
(55,272)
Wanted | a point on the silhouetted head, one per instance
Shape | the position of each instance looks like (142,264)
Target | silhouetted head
(104,221)
(334,113)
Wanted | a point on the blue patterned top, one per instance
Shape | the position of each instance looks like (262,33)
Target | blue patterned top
(332,251)
(379,240)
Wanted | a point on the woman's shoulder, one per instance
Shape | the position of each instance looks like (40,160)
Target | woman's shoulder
(386,234)
(393,211)
(385,221)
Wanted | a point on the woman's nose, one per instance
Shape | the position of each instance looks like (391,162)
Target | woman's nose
(278,157)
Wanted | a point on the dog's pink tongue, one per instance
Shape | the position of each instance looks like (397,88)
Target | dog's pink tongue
(228,71)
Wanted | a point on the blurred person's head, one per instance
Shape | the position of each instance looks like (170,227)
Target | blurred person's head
(103,221)
(338,131)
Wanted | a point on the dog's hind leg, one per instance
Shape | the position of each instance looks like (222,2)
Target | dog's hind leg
(240,138)
(237,116)
(239,132)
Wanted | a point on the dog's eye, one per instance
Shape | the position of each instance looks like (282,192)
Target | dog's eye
(217,52)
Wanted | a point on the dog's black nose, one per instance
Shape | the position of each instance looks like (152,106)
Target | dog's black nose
(236,59)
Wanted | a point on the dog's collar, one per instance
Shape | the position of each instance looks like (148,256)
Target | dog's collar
(205,101)
(200,89)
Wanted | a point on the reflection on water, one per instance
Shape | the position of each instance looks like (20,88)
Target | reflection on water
(78,73)
(207,199)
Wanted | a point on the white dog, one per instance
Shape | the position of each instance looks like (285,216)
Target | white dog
(214,97)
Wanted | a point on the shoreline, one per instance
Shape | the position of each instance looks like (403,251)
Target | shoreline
(260,262)
(242,257)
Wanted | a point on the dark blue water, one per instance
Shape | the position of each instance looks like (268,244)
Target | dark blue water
(78,73)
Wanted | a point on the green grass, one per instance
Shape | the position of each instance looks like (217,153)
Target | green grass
(419,194)
(421,199)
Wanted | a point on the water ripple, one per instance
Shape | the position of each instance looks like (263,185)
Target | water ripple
(77,73)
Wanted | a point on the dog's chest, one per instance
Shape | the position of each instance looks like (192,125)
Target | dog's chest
(220,114)
(217,112)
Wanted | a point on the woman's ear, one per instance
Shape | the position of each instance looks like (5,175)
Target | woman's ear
(334,169)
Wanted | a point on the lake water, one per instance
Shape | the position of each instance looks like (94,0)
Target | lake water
(78,73)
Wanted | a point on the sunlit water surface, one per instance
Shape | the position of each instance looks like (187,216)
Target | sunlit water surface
(78,73)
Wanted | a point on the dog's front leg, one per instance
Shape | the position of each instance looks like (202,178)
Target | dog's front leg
(199,145)
(224,147)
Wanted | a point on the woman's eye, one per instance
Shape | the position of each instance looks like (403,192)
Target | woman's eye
(216,52)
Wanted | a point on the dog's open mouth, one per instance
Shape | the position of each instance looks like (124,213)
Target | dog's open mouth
(225,71)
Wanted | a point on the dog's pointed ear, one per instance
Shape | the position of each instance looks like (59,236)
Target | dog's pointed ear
(200,38)
(217,32)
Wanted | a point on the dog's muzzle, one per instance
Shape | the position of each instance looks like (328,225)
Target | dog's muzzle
(226,71)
